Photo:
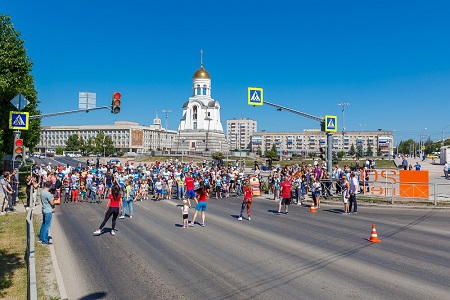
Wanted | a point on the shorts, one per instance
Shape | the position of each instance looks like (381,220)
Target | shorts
(109,185)
(158,191)
(285,201)
(190,194)
(163,192)
(185,216)
(345,199)
(201,206)
(218,189)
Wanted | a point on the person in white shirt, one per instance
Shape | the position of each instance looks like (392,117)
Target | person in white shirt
(353,191)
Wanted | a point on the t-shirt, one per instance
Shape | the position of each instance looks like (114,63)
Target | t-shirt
(114,203)
(46,197)
(286,189)
(247,193)
(189,181)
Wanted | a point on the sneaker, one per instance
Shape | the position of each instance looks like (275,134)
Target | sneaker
(122,217)
(98,232)
(249,218)
(240,219)
(191,224)
(131,217)
(355,212)
(113,232)
(203,224)
(286,213)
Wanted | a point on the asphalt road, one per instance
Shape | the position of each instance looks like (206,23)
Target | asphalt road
(301,255)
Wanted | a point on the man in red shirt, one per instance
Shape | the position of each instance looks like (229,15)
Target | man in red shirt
(285,195)
(189,184)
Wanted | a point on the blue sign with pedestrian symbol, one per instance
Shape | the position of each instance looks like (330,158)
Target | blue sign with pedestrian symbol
(255,96)
(18,120)
(330,123)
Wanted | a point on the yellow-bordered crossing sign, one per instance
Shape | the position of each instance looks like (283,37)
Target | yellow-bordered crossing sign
(255,96)
(18,120)
(330,123)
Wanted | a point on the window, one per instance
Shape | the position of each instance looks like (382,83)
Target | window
(198,90)
(194,113)
(204,89)
(195,125)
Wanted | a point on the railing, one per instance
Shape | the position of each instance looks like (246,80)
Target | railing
(30,254)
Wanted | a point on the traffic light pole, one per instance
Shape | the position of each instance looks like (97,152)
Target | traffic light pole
(319,119)
(69,112)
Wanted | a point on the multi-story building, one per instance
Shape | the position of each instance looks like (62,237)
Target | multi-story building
(302,143)
(239,133)
(126,136)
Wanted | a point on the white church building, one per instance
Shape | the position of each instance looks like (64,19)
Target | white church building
(200,127)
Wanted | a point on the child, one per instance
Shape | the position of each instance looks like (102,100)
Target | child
(158,189)
(83,192)
(185,213)
(93,192)
(101,191)
(163,188)
(74,188)
(224,189)
(248,196)
(67,192)
(136,188)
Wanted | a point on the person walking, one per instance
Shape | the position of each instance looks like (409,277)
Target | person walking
(446,170)
(113,208)
(353,191)
(7,191)
(202,195)
(316,191)
(248,197)
(48,207)
(345,194)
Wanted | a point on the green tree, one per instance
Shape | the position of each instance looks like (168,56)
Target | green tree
(406,147)
(103,144)
(359,151)
(341,154)
(73,143)
(272,153)
(59,150)
(15,78)
(88,146)
(369,151)
(217,156)
(379,153)
(352,151)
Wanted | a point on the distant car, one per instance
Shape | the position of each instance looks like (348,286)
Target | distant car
(114,162)
(432,156)
(42,155)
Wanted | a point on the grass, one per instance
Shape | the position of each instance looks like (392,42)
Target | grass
(13,269)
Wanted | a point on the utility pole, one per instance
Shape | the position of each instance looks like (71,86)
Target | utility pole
(343,105)
(167,121)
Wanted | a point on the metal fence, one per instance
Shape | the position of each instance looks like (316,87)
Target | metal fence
(30,254)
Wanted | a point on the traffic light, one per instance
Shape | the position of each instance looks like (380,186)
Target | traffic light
(322,153)
(115,103)
(18,150)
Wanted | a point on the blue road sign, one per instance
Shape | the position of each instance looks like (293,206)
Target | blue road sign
(18,120)
(330,123)
(255,96)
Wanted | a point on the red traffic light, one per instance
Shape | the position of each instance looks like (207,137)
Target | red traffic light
(116,95)
(19,143)
(115,103)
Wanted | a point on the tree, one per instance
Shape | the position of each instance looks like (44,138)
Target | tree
(15,78)
(359,151)
(272,153)
(369,151)
(352,151)
(379,153)
(88,147)
(217,156)
(73,143)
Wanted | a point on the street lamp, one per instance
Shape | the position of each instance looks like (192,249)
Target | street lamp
(104,150)
(207,118)
(182,145)
(166,111)
(420,143)
(442,143)
(343,105)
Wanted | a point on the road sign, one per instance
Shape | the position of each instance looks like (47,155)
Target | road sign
(87,100)
(255,96)
(330,123)
(18,120)
(19,101)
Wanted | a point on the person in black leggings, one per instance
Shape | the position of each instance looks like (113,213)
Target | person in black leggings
(113,208)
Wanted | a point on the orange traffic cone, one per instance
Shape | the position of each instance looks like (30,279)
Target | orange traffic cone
(312,208)
(373,236)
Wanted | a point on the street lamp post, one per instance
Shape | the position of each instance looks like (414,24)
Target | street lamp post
(104,150)
(166,111)
(442,143)
(207,118)
(182,145)
(421,144)
(343,105)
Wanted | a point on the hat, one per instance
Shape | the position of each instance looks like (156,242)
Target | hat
(184,201)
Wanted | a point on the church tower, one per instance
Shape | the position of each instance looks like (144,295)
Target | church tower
(200,127)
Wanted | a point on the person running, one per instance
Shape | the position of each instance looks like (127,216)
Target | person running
(185,214)
(285,190)
(202,194)
(248,196)
(113,208)
(189,183)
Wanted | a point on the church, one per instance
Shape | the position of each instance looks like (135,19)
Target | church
(200,127)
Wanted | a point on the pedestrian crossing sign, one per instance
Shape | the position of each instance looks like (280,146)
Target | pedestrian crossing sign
(255,96)
(330,123)
(18,120)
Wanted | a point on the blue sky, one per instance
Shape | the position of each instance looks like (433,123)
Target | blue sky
(389,59)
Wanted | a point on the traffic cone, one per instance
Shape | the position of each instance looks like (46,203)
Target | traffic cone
(373,236)
(312,208)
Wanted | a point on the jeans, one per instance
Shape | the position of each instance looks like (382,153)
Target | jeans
(128,203)
(352,201)
(298,194)
(45,227)
(180,193)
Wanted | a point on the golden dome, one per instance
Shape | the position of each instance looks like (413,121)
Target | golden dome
(201,74)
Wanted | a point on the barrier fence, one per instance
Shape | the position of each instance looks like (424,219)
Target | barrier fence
(30,254)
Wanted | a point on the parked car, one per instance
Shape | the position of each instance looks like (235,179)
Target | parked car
(432,156)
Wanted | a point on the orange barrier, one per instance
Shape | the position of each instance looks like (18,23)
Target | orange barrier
(419,188)
(254,182)
(373,236)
